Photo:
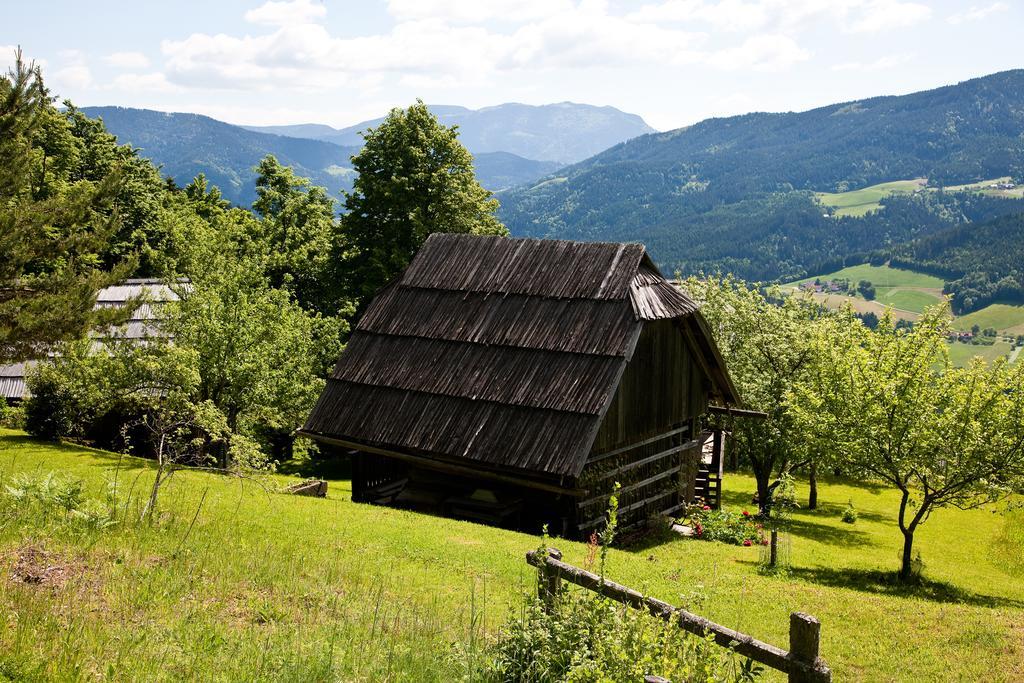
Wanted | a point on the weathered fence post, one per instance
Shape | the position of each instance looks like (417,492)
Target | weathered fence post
(548,580)
(804,637)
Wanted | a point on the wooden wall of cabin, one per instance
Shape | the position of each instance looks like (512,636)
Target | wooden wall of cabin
(661,388)
(646,442)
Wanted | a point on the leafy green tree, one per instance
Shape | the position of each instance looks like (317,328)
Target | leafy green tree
(259,355)
(302,235)
(54,229)
(415,178)
(767,345)
(891,407)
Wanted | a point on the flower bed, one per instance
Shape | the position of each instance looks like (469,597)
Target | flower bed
(727,526)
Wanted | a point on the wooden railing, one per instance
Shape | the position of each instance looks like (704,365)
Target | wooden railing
(801,662)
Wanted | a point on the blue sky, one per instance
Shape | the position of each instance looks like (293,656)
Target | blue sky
(672,61)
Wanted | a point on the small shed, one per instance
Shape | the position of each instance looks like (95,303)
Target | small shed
(515,381)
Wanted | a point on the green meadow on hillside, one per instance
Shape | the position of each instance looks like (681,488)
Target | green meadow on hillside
(880,276)
(1003,317)
(859,202)
(237,582)
(909,293)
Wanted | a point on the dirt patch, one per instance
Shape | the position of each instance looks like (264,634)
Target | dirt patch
(34,565)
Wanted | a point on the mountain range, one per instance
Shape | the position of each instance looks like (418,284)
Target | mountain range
(564,133)
(737,194)
(185,145)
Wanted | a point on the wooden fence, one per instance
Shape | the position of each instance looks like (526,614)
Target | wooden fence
(801,662)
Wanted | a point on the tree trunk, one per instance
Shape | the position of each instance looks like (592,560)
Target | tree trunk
(764,493)
(812,497)
(907,568)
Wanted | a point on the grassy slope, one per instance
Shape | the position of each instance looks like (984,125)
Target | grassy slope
(961,353)
(276,587)
(1003,317)
(859,202)
(880,276)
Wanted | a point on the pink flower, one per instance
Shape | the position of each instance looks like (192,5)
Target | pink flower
(706,507)
(746,542)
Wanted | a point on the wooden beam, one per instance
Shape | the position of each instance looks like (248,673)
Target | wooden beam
(649,459)
(737,412)
(447,467)
(619,451)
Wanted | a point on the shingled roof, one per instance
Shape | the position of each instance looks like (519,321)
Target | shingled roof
(503,352)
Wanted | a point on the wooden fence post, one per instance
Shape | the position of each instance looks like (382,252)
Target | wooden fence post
(548,581)
(804,638)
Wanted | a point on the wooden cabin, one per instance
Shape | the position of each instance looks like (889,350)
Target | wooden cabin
(514,381)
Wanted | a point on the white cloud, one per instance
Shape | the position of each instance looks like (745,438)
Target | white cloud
(476,11)
(880,64)
(762,53)
(885,15)
(975,13)
(785,16)
(127,60)
(287,12)
(447,45)
(76,76)
(151,82)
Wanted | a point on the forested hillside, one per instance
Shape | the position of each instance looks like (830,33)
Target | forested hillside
(185,145)
(737,193)
(983,263)
(565,132)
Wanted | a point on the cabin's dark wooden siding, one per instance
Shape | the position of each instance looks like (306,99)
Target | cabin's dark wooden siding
(662,387)
(647,440)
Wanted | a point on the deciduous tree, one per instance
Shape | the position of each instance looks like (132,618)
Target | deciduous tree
(415,178)
(889,405)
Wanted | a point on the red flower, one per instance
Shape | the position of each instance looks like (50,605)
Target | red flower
(764,541)
(746,514)
(706,507)
(746,542)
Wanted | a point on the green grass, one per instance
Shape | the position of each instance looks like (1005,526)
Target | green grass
(984,188)
(959,353)
(860,202)
(864,200)
(1002,317)
(879,276)
(913,300)
(274,587)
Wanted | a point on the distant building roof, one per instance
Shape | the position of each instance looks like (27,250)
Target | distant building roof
(140,325)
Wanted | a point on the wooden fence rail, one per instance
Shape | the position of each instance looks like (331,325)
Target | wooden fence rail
(801,663)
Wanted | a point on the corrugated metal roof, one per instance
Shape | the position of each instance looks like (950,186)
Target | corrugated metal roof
(501,351)
(141,324)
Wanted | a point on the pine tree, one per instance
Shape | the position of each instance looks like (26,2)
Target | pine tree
(52,233)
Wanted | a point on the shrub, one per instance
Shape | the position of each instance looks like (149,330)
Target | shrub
(737,528)
(11,416)
(589,638)
(52,496)
(849,514)
(50,410)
